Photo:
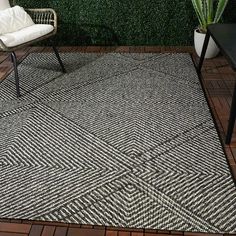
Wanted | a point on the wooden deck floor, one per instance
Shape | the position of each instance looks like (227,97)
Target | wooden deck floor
(218,81)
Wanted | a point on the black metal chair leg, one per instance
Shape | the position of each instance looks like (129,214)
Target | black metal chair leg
(15,64)
(203,53)
(59,59)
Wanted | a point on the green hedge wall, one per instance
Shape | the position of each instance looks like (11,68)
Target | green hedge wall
(125,22)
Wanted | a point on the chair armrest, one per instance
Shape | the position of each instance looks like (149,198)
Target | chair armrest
(43,16)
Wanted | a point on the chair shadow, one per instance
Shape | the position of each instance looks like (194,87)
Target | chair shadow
(86,34)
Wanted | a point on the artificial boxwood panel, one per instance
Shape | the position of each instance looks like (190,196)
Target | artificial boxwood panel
(124,22)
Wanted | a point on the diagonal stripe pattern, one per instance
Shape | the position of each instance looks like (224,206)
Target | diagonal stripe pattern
(121,140)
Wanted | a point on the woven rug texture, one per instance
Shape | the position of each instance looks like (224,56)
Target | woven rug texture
(121,140)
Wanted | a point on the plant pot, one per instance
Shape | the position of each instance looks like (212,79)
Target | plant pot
(212,49)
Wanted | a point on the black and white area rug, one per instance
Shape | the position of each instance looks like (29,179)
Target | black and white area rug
(122,139)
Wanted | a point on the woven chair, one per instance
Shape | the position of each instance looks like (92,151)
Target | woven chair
(39,16)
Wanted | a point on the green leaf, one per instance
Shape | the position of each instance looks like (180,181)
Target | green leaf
(209,11)
(220,9)
(198,7)
(204,9)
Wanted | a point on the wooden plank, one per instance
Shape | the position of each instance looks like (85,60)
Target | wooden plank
(61,231)
(15,227)
(48,230)
(36,230)
(87,232)
(12,234)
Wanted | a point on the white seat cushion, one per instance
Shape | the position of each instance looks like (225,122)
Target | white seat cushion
(4,4)
(25,35)
(14,19)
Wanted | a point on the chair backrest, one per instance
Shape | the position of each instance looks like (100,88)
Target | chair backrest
(4,4)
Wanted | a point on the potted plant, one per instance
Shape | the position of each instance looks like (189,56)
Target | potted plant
(208,12)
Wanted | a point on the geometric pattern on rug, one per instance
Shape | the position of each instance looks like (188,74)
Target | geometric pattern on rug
(121,140)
